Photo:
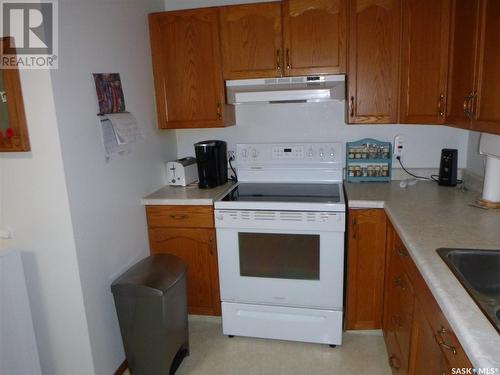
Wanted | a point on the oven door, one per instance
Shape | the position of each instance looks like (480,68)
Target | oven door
(302,268)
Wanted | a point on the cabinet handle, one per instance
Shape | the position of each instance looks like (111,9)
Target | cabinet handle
(178,217)
(211,248)
(351,106)
(440,340)
(440,106)
(394,362)
(442,331)
(398,282)
(472,107)
(466,106)
(219,111)
(288,58)
(278,59)
(448,347)
(354,228)
(400,251)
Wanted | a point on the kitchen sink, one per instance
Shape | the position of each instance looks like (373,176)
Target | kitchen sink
(479,273)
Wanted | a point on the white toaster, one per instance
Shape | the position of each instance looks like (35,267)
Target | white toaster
(182,172)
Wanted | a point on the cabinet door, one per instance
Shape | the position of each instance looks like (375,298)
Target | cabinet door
(187,69)
(485,107)
(197,248)
(464,35)
(314,35)
(424,63)
(373,67)
(365,269)
(252,40)
(426,356)
(398,305)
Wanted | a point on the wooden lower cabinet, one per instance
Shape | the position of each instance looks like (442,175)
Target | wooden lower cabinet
(398,309)
(426,357)
(384,287)
(195,246)
(365,269)
(418,337)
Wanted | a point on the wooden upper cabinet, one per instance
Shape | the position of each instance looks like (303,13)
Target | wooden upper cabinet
(373,67)
(251,38)
(314,36)
(187,69)
(424,61)
(464,38)
(484,105)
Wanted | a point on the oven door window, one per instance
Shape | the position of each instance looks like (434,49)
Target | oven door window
(279,256)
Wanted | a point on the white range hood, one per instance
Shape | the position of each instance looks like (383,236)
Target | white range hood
(286,89)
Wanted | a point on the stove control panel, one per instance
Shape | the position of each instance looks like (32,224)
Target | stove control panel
(288,152)
(293,152)
(290,162)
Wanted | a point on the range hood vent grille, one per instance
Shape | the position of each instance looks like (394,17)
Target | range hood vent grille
(286,90)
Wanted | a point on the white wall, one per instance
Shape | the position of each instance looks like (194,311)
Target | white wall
(35,205)
(108,219)
(313,122)
(475,161)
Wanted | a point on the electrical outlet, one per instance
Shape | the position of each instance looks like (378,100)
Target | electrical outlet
(231,155)
(399,147)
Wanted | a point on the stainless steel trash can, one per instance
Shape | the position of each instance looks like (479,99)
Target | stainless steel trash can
(151,304)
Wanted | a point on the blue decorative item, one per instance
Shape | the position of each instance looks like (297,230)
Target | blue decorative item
(368,160)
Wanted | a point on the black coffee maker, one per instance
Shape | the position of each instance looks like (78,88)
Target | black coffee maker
(448,167)
(211,157)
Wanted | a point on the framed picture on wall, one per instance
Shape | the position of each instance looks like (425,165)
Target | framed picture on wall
(13,129)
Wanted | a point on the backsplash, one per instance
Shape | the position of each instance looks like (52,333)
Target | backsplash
(324,122)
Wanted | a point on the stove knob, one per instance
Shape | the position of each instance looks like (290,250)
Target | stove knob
(332,152)
(321,152)
(254,153)
(244,153)
(310,153)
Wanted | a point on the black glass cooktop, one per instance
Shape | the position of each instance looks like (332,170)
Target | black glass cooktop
(274,192)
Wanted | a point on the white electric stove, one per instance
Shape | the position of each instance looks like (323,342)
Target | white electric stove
(280,241)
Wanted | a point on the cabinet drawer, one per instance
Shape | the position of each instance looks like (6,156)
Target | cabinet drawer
(444,335)
(180,216)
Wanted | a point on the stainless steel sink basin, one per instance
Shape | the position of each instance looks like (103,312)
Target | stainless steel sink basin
(479,273)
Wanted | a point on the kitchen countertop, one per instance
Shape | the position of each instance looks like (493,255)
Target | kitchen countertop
(185,195)
(428,216)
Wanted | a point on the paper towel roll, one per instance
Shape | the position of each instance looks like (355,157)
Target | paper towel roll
(490,146)
(491,188)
